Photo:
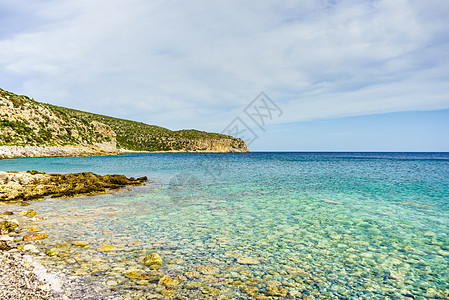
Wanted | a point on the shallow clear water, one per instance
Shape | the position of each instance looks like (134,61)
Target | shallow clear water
(328,225)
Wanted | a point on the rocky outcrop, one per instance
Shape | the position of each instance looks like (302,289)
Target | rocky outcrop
(205,145)
(31,185)
(32,129)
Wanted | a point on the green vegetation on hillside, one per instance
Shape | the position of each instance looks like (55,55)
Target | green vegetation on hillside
(138,136)
(24,121)
(47,124)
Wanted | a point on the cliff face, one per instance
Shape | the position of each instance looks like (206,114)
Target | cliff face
(206,145)
(32,129)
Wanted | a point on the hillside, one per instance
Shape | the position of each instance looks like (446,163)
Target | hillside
(132,135)
(25,122)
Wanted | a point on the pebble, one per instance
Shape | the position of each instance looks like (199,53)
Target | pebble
(176,261)
(208,270)
(30,213)
(33,229)
(35,236)
(107,248)
(30,248)
(81,243)
(192,275)
(6,238)
(247,261)
(276,291)
(250,290)
(168,281)
(152,259)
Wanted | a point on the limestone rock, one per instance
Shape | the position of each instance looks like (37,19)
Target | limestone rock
(4,246)
(60,185)
(30,213)
(168,281)
(80,243)
(177,261)
(35,236)
(107,248)
(7,226)
(152,259)
(208,270)
(276,291)
(247,261)
(30,248)
(33,229)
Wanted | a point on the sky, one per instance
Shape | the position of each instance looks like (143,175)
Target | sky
(337,75)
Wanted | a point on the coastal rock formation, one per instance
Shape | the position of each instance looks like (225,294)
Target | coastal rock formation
(24,186)
(32,129)
(205,145)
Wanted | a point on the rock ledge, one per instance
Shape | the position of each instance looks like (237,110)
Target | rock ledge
(32,185)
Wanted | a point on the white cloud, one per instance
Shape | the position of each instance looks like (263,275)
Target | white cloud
(198,63)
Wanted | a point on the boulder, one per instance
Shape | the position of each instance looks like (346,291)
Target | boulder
(152,259)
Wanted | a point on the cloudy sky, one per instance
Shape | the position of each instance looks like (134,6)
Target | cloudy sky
(347,75)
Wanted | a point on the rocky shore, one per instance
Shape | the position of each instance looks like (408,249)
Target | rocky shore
(19,273)
(55,151)
(22,276)
(17,280)
(32,185)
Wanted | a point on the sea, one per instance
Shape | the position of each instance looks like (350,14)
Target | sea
(261,225)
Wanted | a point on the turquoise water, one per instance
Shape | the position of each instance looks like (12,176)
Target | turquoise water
(322,225)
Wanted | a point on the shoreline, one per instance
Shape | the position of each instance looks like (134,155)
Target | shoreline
(12,152)
(180,151)
(19,278)
(21,275)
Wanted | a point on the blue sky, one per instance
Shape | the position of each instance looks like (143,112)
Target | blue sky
(347,75)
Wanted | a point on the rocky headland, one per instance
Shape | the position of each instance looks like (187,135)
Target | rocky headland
(33,129)
(32,185)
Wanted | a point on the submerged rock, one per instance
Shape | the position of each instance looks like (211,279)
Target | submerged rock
(250,290)
(192,275)
(30,213)
(247,261)
(208,270)
(33,229)
(276,291)
(168,281)
(107,248)
(34,237)
(177,261)
(80,243)
(152,259)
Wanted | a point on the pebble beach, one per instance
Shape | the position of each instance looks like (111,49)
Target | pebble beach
(21,275)
(18,280)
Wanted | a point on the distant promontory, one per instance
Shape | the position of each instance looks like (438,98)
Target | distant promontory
(33,129)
